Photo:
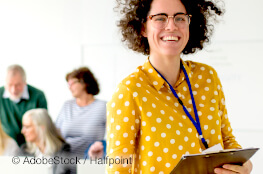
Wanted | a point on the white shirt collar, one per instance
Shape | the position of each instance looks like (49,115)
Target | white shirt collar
(25,95)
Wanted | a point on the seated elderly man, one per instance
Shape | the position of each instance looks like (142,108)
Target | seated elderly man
(17,97)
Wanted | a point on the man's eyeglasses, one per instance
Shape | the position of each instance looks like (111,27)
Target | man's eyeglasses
(160,21)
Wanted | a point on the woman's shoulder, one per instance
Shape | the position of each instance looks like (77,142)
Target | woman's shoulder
(130,81)
(100,102)
(67,105)
(70,101)
(202,71)
(200,68)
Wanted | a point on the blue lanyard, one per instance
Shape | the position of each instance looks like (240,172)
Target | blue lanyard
(197,122)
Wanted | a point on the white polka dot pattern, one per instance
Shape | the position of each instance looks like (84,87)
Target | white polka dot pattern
(146,120)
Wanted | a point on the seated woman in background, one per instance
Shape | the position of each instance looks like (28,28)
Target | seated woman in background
(43,139)
(8,146)
(82,120)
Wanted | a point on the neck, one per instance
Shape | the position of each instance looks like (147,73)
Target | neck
(169,67)
(85,99)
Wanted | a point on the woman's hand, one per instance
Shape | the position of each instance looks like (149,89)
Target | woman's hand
(96,150)
(246,168)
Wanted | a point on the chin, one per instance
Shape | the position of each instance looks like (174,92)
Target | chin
(30,140)
(75,96)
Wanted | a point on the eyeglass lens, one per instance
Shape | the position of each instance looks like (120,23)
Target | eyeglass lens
(160,21)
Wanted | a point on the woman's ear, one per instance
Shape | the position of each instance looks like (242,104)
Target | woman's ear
(143,30)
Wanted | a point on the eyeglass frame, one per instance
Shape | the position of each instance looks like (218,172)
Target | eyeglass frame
(72,83)
(188,15)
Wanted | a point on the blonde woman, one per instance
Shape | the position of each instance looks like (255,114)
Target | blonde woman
(43,139)
(8,146)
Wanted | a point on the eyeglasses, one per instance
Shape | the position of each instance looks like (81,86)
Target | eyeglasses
(160,21)
(70,83)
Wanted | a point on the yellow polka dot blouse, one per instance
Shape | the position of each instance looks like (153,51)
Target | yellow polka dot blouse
(146,122)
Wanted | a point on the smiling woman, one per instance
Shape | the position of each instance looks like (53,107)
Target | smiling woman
(136,14)
(167,107)
(159,37)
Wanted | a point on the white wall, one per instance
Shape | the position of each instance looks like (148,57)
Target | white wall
(52,37)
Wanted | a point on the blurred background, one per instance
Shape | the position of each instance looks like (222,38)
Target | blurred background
(50,38)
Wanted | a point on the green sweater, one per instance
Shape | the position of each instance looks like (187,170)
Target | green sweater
(11,113)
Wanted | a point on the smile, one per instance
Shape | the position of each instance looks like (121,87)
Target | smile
(170,38)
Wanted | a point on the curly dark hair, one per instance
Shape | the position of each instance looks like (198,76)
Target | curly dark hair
(85,76)
(204,14)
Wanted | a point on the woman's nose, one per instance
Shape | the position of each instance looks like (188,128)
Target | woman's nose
(171,24)
(23,130)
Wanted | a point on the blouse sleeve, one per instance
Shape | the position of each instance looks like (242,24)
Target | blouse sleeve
(123,122)
(229,139)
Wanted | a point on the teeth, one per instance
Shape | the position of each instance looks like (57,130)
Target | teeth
(170,38)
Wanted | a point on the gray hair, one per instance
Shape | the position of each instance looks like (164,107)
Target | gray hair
(17,69)
(48,134)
